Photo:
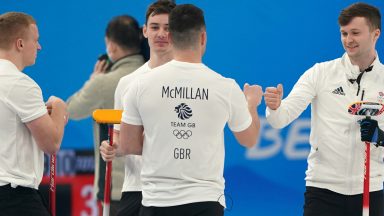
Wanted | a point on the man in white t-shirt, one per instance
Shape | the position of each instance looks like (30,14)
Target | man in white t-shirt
(27,129)
(156,31)
(182,107)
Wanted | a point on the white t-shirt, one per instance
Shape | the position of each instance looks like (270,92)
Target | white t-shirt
(21,101)
(133,163)
(184,108)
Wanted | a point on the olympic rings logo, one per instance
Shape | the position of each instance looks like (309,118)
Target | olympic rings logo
(182,134)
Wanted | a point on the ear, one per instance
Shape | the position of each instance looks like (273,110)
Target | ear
(19,44)
(203,38)
(145,31)
(112,46)
(377,34)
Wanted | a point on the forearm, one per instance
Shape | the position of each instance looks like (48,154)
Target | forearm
(277,118)
(59,118)
(48,130)
(254,127)
(116,138)
(288,111)
(249,136)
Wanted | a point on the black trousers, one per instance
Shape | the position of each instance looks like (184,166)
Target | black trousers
(130,204)
(21,201)
(323,202)
(191,209)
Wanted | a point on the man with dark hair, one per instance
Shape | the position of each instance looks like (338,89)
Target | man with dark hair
(182,107)
(334,178)
(123,40)
(156,32)
(28,127)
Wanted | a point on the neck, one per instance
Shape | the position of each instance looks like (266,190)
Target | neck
(12,57)
(157,59)
(363,62)
(191,56)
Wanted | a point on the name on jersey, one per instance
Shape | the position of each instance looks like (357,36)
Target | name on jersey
(184,93)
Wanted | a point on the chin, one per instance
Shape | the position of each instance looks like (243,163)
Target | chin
(162,49)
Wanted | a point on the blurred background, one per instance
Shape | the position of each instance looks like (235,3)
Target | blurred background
(263,42)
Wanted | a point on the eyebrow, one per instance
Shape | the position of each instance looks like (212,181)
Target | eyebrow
(354,29)
(154,23)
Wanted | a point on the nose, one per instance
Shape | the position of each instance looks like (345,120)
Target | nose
(163,33)
(38,46)
(349,38)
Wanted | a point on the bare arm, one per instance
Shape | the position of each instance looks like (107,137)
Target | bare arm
(248,137)
(131,139)
(48,130)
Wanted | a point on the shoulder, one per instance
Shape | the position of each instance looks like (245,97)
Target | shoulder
(125,80)
(326,67)
(23,80)
(129,62)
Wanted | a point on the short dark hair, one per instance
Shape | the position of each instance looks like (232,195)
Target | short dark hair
(369,12)
(125,31)
(185,25)
(13,25)
(159,7)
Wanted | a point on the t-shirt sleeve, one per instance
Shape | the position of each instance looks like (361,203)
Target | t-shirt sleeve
(25,97)
(131,114)
(239,117)
(118,99)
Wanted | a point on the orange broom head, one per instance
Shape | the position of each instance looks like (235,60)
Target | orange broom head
(107,116)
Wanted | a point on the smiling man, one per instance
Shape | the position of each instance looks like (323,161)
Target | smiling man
(156,31)
(334,178)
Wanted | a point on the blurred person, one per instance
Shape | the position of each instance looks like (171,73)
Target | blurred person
(182,107)
(123,42)
(27,128)
(334,177)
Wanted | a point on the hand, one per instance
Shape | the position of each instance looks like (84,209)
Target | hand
(369,130)
(99,68)
(253,94)
(108,153)
(273,96)
(55,103)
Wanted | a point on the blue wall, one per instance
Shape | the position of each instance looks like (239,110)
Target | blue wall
(264,42)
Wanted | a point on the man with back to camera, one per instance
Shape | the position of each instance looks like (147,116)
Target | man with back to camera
(182,107)
(27,129)
(334,178)
(156,32)
(123,41)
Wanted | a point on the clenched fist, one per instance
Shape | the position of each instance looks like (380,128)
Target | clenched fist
(107,151)
(273,96)
(253,94)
